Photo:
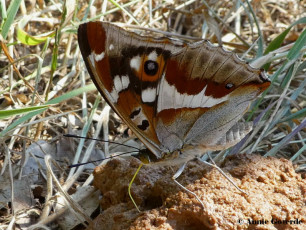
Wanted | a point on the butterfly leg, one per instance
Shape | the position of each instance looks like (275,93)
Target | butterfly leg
(221,171)
(176,175)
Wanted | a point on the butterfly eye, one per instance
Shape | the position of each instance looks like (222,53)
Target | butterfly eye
(150,67)
(229,85)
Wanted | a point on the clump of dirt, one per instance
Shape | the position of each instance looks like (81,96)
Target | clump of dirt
(275,195)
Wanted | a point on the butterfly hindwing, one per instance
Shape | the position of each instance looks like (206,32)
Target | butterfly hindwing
(206,90)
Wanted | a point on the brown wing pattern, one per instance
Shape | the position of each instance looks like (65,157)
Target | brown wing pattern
(121,65)
(172,95)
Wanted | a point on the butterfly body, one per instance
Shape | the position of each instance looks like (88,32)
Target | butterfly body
(179,99)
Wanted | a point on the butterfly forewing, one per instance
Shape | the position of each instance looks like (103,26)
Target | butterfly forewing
(121,65)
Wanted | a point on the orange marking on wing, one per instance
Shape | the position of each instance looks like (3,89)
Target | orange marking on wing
(161,63)
(126,105)
(264,86)
(168,116)
(150,78)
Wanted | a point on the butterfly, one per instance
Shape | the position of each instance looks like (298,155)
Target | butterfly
(180,99)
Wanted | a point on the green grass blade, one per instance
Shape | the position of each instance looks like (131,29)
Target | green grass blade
(277,42)
(300,114)
(294,52)
(14,112)
(30,40)
(3,11)
(72,94)
(11,13)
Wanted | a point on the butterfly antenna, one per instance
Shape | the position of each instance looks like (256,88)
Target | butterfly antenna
(106,158)
(95,139)
(137,171)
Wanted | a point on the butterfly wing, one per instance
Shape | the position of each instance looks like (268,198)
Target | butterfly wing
(126,69)
(172,95)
